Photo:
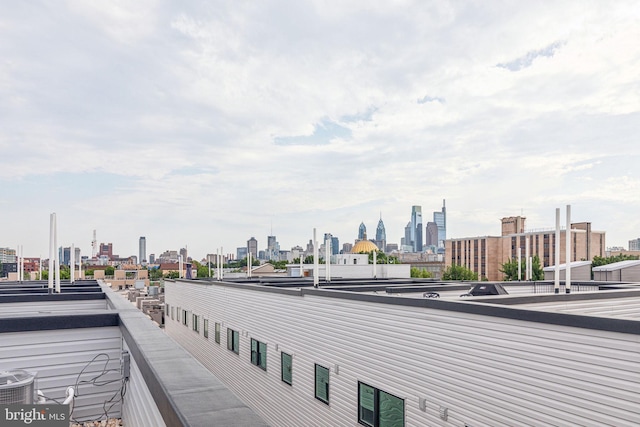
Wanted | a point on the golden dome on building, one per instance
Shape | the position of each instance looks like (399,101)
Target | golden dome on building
(364,246)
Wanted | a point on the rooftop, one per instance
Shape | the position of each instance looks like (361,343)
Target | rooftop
(121,365)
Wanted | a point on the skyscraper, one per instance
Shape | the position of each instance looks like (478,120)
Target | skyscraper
(252,247)
(362,232)
(335,245)
(416,228)
(431,236)
(440,218)
(273,248)
(381,235)
(142,250)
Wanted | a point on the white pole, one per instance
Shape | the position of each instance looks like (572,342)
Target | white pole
(375,259)
(527,255)
(301,266)
(72,263)
(217,264)
(221,263)
(79,265)
(56,254)
(180,266)
(40,268)
(519,267)
(249,262)
(556,285)
(568,249)
(327,261)
(209,263)
(51,251)
(316,265)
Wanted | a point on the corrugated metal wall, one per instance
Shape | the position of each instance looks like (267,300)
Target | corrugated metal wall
(24,308)
(486,371)
(139,409)
(59,356)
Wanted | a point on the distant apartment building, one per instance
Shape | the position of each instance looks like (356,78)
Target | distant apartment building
(106,249)
(241,253)
(346,248)
(634,245)
(7,255)
(485,255)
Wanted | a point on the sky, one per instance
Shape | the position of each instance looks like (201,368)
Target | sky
(204,123)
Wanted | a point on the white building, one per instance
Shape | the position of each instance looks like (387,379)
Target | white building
(386,355)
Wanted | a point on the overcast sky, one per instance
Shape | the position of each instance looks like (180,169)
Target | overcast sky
(206,123)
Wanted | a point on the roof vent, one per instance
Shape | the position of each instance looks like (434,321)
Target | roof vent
(483,289)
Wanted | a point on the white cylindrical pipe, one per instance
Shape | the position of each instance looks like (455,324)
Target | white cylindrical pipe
(316,263)
(527,252)
(519,264)
(72,264)
(301,265)
(51,250)
(568,252)
(221,263)
(180,266)
(327,261)
(556,278)
(79,265)
(375,259)
(40,268)
(56,252)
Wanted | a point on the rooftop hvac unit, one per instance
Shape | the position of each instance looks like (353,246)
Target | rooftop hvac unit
(17,387)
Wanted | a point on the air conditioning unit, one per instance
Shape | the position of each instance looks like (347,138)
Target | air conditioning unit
(17,387)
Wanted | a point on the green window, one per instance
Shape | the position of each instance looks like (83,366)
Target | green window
(205,328)
(259,354)
(233,340)
(185,319)
(286,364)
(195,322)
(377,408)
(322,384)
(217,332)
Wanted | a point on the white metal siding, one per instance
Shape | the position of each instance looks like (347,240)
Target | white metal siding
(25,308)
(139,409)
(487,371)
(58,357)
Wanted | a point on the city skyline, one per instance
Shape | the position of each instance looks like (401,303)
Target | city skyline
(164,120)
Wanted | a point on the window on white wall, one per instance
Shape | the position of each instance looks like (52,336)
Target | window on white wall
(259,354)
(286,365)
(233,340)
(195,322)
(377,408)
(205,327)
(322,384)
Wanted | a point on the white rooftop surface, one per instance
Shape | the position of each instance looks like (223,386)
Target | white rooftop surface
(519,290)
(617,265)
(618,308)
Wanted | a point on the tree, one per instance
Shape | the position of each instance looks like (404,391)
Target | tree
(109,271)
(598,260)
(421,273)
(510,269)
(382,258)
(278,265)
(172,275)
(309,260)
(155,274)
(458,272)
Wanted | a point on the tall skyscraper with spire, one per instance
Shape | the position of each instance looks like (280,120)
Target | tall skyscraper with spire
(381,235)
(362,232)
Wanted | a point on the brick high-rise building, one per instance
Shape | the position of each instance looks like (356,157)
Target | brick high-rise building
(485,255)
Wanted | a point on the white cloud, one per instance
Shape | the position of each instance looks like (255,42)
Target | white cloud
(401,103)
